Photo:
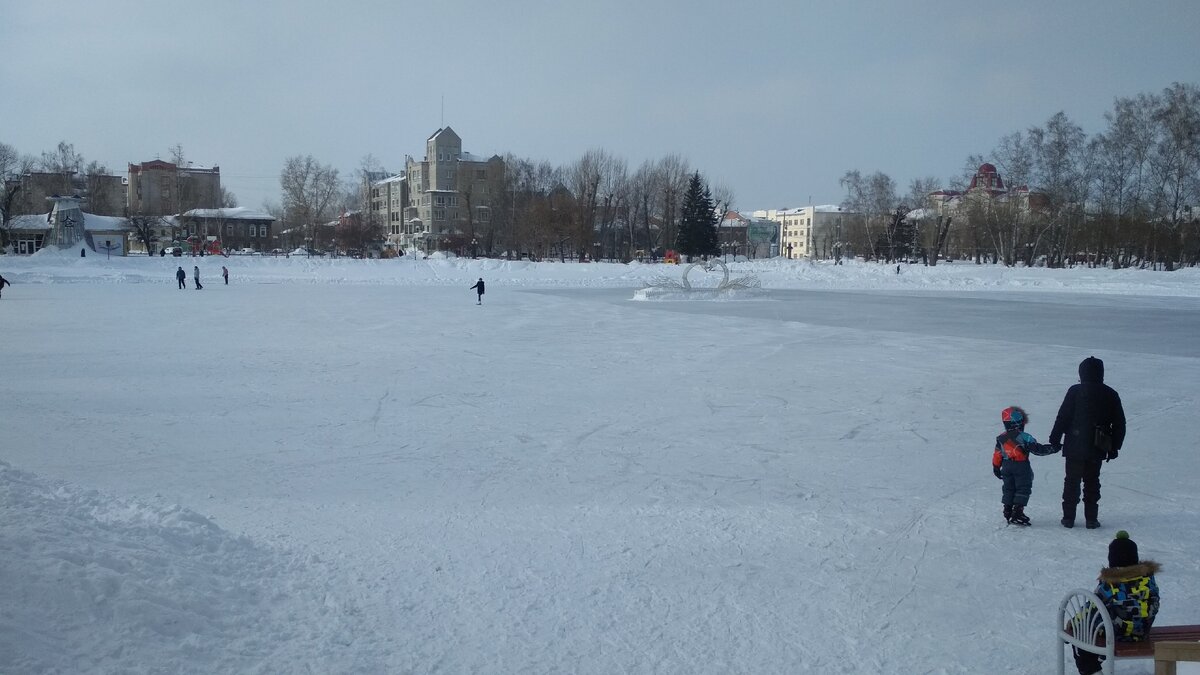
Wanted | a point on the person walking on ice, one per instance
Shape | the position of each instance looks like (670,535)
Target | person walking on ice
(478,288)
(181,277)
(1010,463)
(225,274)
(196,276)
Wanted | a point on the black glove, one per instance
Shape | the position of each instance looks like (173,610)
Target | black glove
(996,470)
(1112,454)
(1056,445)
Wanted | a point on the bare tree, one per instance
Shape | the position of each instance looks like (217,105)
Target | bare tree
(62,159)
(1060,169)
(309,190)
(176,154)
(673,175)
(13,166)
(931,227)
(1175,159)
(874,198)
(145,229)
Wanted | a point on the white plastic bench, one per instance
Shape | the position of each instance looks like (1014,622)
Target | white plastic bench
(1083,622)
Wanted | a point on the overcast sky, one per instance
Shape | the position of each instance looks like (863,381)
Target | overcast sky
(774,100)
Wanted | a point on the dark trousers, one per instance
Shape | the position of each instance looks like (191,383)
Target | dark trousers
(1087,662)
(1018,482)
(479,300)
(182,283)
(1087,472)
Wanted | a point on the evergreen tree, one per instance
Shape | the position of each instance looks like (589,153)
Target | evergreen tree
(698,223)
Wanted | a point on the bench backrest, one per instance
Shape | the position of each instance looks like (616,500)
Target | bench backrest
(1081,621)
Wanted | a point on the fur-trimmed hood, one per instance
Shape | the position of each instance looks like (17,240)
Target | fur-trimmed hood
(1115,575)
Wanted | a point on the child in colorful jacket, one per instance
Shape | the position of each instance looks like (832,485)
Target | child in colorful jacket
(1129,593)
(1010,463)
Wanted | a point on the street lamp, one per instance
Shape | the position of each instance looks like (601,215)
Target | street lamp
(474,247)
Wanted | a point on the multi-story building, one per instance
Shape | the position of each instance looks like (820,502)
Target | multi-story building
(158,188)
(809,231)
(386,202)
(449,194)
(987,187)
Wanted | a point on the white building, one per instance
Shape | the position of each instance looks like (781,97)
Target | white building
(809,231)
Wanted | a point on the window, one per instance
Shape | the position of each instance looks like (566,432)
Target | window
(439,200)
(229,230)
(439,214)
(480,174)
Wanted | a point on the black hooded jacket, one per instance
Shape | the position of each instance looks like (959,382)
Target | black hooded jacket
(1088,405)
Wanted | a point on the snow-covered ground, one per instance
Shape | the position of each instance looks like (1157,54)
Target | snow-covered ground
(346,466)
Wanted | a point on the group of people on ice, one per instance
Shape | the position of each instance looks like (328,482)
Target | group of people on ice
(1089,430)
(181,276)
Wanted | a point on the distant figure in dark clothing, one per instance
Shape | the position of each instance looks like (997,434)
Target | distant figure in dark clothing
(1093,420)
(3,282)
(225,274)
(196,276)
(181,277)
(479,289)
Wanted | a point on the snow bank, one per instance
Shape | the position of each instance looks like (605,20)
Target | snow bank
(93,583)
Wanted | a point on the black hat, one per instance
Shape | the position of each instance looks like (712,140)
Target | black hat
(1091,369)
(1122,552)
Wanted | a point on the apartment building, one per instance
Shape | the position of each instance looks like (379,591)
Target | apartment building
(809,231)
(158,188)
(386,203)
(449,195)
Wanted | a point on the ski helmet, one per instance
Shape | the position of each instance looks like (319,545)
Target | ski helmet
(1014,417)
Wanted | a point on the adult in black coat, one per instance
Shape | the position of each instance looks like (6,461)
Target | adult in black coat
(1093,421)
(181,277)
(478,288)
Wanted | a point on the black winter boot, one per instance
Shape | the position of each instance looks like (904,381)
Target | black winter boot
(1068,519)
(1091,513)
(1019,517)
(1008,513)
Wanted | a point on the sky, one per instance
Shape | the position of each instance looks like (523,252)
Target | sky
(348,466)
(774,101)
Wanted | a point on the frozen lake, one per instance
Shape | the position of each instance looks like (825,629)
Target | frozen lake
(571,481)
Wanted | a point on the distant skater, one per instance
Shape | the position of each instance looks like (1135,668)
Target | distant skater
(196,276)
(181,277)
(478,287)
(225,274)
(3,282)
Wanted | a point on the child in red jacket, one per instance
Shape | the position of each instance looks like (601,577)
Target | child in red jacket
(1010,463)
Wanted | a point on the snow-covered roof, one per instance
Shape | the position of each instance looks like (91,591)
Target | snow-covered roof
(236,213)
(91,222)
(471,157)
(390,179)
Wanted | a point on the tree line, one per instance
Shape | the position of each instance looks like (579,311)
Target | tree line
(593,207)
(1126,196)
